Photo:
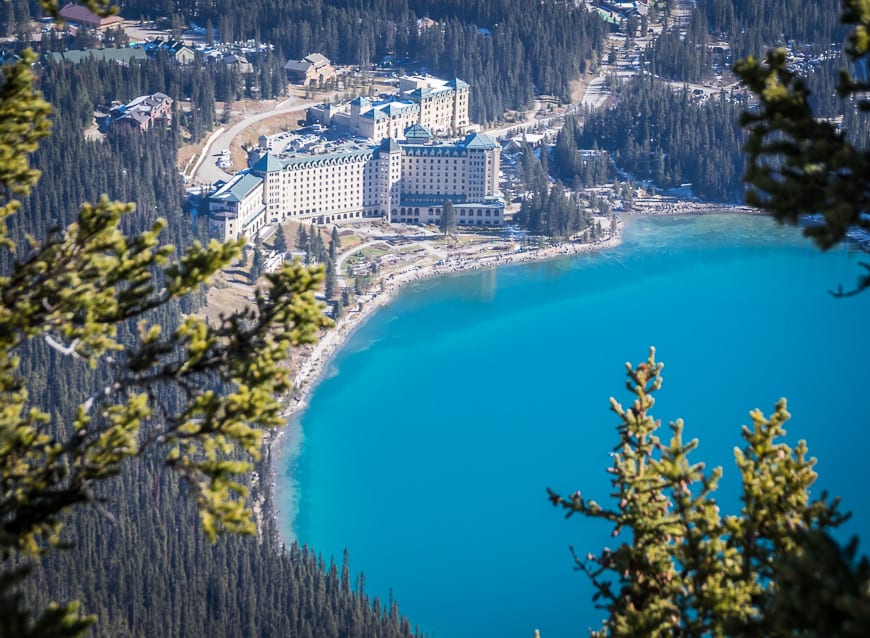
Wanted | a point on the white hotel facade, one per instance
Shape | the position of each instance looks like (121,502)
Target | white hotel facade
(441,106)
(404,181)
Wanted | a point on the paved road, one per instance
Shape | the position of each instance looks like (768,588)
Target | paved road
(207,171)
(596,93)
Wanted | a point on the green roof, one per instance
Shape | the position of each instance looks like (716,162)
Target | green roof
(607,16)
(389,145)
(478,141)
(267,164)
(417,132)
(344,157)
(122,56)
(237,188)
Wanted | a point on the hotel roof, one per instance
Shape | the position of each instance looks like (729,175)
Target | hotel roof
(456,83)
(389,145)
(267,163)
(389,109)
(238,188)
(417,133)
(424,200)
(472,141)
(478,141)
(327,159)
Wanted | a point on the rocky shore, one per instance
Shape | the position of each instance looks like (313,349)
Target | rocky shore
(659,205)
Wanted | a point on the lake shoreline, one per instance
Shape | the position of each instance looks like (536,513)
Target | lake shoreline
(315,364)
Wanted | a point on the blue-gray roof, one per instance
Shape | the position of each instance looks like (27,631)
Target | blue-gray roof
(428,91)
(434,150)
(389,145)
(307,161)
(297,66)
(417,132)
(238,188)
(472,141)
(478,141)
(384,110)
(424,200)
(268,163)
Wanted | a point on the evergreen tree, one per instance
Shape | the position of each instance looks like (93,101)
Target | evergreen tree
(280,244)
(75,294)
(302,242)
(800,164)
(335,242)
(685,569)
(258,262)
(316,249)
(447,223)
(331,279)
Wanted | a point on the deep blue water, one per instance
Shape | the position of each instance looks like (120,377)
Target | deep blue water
(428,449)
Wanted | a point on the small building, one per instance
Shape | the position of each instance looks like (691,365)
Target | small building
(84,17)
(325,114)
(312,69)
(176,49)
(239,62)
(143,111)
(180,52)
(425,23)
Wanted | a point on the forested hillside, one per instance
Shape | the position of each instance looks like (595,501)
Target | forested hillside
(744,28)
(142,562)
(753,25)
(684,56)
(194,87)
(661,135)
(146,569)
(664,133)
(127,165)
(507,50)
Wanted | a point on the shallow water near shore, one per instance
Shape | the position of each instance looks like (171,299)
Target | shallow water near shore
(427,449)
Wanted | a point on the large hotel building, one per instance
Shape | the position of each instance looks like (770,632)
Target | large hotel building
(406,181)
(440,106)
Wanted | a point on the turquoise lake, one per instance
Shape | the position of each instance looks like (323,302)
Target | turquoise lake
(427,450)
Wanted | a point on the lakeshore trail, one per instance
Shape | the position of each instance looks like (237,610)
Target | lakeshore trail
(426,454)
